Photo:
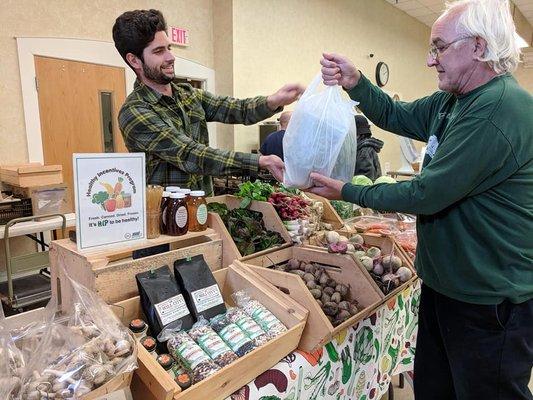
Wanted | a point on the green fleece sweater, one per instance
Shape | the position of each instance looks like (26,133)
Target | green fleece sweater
(474,196)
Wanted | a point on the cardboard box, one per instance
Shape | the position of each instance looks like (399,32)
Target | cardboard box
(33,174)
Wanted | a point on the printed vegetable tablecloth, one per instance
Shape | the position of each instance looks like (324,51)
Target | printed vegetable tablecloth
(357,364)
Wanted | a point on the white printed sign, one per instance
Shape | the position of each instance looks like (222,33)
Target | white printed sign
(207,298)
(171,309)
(110,198)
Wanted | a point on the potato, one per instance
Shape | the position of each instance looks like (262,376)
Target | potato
(330,308)
(329,290)
(326,298)
(310,268)
(298,272)
(342,289)
(331,283)
(309,277)
(343,305)
(317,293)
(353,309)
(343,315)
(311,285)
(324,278)
(336,297)
(293,264)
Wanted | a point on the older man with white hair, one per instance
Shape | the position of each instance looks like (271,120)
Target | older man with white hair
(474,201)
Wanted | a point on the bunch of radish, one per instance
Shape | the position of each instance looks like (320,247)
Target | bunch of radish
(289,207)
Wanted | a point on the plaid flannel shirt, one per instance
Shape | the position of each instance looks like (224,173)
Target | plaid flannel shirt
(172,132)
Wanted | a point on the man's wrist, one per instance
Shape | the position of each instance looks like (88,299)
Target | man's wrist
(272,103)
(354,83)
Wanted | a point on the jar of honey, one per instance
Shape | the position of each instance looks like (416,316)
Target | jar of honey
(172,189)
(197,208)
(177,215)
(164,207)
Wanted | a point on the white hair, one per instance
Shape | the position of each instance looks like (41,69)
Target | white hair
(492,21)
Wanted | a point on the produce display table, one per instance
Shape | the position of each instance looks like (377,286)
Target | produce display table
(358,364)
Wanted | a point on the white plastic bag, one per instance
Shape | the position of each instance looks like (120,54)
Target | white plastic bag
(321,137)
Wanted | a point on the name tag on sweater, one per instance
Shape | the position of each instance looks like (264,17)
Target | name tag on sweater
(431,148)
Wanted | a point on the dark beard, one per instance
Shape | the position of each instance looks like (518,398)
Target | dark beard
(155,75)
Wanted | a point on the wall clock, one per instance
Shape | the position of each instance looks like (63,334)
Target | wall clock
(382,74)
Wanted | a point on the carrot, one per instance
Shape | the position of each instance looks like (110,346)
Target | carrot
(118,186)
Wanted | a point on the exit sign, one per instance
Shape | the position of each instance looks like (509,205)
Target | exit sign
(179,36)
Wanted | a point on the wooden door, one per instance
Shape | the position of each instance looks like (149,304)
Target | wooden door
(78,105)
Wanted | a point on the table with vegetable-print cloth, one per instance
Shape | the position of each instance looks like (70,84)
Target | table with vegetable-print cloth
(357,364)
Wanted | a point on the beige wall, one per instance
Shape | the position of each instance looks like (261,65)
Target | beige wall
(523,27)
(280,41)
(86,20)
(223,54)
(524,76)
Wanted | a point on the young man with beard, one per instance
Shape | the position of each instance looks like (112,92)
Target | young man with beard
(168,121)
(474,200)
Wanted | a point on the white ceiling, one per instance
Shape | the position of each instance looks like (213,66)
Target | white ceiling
(427,11)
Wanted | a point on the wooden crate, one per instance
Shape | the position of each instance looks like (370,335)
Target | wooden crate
(270,218)
(119,382)
(152,382)
(387,246)
(111,272)
(33,174)
(342,268)
(330,216)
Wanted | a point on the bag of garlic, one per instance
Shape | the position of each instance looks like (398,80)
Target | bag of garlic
(10,361)
(68,353)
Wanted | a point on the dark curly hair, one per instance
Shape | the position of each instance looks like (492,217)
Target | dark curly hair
(133,30)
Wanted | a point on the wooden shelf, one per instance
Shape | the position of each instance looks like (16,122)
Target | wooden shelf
(128,247)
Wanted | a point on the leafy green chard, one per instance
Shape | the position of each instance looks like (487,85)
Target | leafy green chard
(250,191)
(246,228)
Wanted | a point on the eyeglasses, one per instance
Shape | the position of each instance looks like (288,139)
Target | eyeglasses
(435,51)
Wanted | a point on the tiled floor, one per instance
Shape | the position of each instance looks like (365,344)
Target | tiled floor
(407,392)
(401,394)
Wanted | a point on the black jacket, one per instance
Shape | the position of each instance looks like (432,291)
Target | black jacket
(367,157)
(273,144)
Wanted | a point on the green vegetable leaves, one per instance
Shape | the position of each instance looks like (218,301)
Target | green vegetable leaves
(246,228)
(100,198)
(253,191)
